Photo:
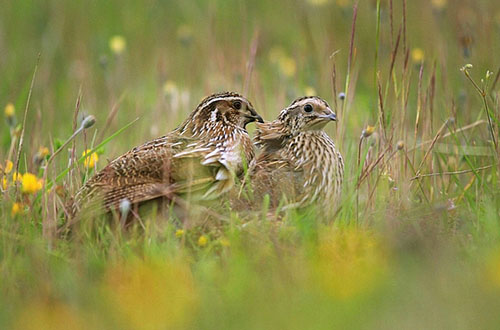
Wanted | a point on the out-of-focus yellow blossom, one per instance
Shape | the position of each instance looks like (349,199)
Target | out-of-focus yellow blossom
(91,159)
(184,33)
(4,183)
(287,66)
(117,44)
(310,91)
(155,294)
(225,242)
(275,54)
(349,263)
(343,3)
(285,63)
(179,233)
(318,2)
(202,241)
(439,4)
(49,315)
(493,269)
(17,177)
(9,110)
(368,131)
(8,166)
(417,55)
(16,208)
(170,87)
(43,152)
(30,184)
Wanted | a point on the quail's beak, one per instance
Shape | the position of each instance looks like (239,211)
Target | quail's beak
(328,115)
(254,116)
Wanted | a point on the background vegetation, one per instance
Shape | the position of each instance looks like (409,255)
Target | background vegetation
(416,243)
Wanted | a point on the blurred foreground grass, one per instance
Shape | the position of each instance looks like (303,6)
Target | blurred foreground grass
(403,252)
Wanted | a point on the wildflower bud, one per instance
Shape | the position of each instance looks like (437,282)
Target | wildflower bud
(417,55)
(400,145)
(9,110)
(466,67)
(170,88)
(117,44)
(488,74)
(202,241)
(342,96)
(309,90)
(368,131)
(10,114)
(185,34)
(88,122)
(8,166)
(124,207)
(16,208)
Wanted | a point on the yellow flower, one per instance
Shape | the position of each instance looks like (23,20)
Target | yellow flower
(90,159)
(275,54)
(30,184)
(46,314)
(417,55)
(179,233)
(170,87)
(349,263)
(287,66)
(343,3)
(152,294)
(17,177)
(439,4)
(8,166)
(16,208)
(225,242)
(493,269)
(318,2)
(202,241)
(10,110)
(4,183)
(368,131)
(43,152)
(117,44)
(310,91)
(184,34)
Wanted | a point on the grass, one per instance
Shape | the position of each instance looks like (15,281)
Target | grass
(416,243)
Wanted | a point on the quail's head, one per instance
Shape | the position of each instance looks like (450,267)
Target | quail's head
(307,114)
(228,108)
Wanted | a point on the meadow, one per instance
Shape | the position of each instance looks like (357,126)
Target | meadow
(415,243)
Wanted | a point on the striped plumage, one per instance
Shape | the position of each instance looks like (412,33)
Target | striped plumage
(298,159)
(200,158)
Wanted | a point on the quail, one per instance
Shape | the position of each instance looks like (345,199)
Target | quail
(200,158)
(298,160)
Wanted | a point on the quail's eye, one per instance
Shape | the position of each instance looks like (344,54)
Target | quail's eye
(308,108)
(237,105)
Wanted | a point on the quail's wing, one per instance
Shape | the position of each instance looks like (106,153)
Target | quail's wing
(138,175)
(212,160)
(269,136)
